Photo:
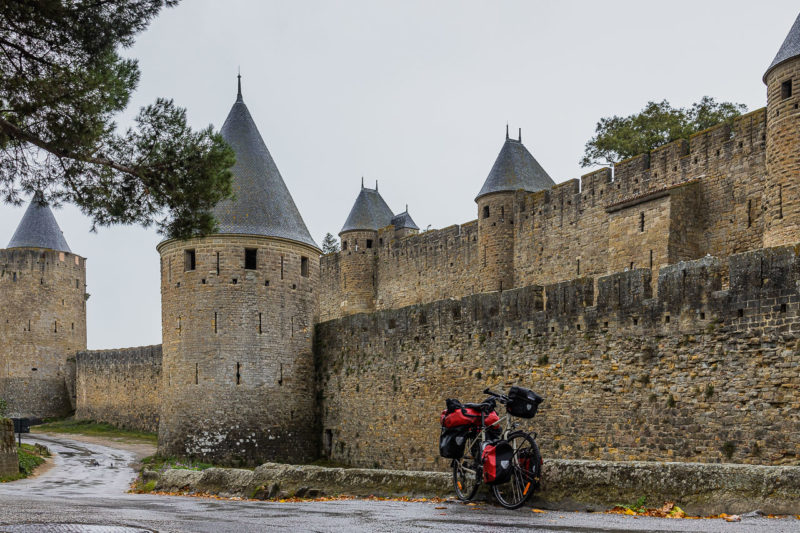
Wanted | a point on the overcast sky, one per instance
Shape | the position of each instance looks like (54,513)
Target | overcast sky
(415,94)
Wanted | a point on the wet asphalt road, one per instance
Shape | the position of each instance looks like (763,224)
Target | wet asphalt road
(88,483)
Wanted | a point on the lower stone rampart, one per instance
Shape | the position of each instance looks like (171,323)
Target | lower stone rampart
(9,462)
(120,387)
(699,489)
(708,371)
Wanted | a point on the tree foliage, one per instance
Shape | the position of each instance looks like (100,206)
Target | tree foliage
(330,244)
(62,82)
(617,138)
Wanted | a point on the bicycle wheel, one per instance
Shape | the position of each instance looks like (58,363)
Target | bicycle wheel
(466,472)
(525,474)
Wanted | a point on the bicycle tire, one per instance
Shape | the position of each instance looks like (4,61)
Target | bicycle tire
(466,484)
(526,472)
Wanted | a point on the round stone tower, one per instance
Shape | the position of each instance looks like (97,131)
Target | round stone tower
(360,245)
(42,316)
(514,169)
(782,185)
(238,314)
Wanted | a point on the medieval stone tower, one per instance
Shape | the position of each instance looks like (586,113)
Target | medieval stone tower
(238,310)
(42,317)
(514,169)
(360,245)
(782,186)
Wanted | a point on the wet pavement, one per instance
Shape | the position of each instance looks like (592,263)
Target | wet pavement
(85,493)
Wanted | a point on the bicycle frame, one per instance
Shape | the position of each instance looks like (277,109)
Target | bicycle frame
(505,421)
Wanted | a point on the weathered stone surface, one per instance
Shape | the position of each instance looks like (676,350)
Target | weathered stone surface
(697,488)
(568,484)
(120,387)
(696,374)
(237,383)
(42,325)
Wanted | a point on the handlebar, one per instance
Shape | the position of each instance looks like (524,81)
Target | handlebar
(501,397)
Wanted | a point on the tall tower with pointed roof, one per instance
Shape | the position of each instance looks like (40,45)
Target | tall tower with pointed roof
(782,184)
(515,169)
(43,316)
(360,244)
(238,309)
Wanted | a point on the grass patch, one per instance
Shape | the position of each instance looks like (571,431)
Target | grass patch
(158,463)
(29,458)
(94,429)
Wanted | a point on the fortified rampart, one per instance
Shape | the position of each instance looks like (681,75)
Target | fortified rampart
(679,202)
(120,387)
(708,370)
(42,324)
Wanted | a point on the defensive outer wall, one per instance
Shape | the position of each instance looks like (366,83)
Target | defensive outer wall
(120,387)
(707,370)
(680,202)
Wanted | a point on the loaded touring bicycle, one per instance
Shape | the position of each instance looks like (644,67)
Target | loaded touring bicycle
(486,448)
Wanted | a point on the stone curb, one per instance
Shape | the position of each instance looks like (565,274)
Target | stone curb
(698,488)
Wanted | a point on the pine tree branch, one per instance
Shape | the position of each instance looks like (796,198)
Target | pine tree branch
(15,132)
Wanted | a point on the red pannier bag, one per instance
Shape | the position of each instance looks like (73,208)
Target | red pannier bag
(496,458)
(456,416)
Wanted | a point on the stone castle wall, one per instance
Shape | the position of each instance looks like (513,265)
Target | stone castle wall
(120,387)
(42,324)
(679,202)
(9,461)
(237,373)
(706,368)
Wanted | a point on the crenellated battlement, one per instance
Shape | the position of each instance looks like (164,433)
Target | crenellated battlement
(709,290)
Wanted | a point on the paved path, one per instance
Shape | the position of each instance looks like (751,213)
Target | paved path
(88,482)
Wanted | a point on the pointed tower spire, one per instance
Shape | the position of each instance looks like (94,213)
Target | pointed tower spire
(263,204)
(38,228)
(369,212)
(520,135)
(515,169)
(362,182)
(506,130)
(789,49)
(239,83)
(376,185)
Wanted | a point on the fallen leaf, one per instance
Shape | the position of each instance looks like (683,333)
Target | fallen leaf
(733,518)
(537,511)
(440,507)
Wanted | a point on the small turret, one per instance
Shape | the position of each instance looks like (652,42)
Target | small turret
(404,225)
(360,244)
(781,187)
(514,169)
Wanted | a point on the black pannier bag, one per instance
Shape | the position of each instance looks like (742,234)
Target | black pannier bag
(497,465)
(523,402)
(452,441)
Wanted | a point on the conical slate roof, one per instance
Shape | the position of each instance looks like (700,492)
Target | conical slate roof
(263,204)
(404,221)
(38,228)
(789,49)
(369,212)
(514,169)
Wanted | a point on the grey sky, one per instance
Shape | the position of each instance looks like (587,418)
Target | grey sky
(415,94)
